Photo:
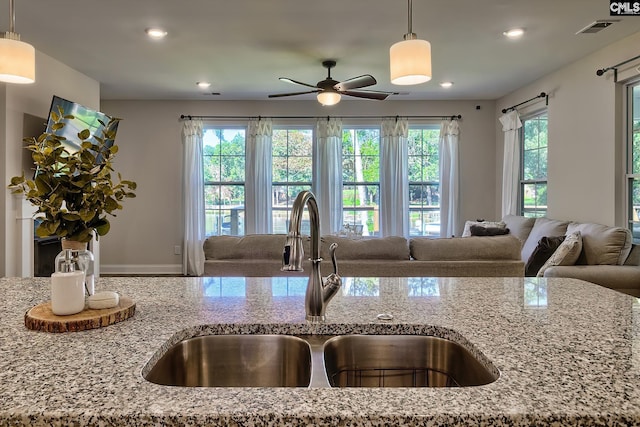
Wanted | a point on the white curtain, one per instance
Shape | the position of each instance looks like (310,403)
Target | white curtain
(193,199)
(449,178)
(258,177)
(511,164)
(394,178)
(327,174)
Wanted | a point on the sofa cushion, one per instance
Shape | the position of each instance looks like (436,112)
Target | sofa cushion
(634,256)
(542,227)
(392,247)
(602,244)
(566,254)
(546,247)
(252,246)
(470,248)
(519,226)
(467,226)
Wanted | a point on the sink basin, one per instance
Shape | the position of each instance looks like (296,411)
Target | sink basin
(235,361)
(401,361)
(319,361)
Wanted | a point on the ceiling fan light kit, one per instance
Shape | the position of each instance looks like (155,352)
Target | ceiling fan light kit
(328,98)
(410,59)
(17,58)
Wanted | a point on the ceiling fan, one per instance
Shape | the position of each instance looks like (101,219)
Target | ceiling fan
(329,91)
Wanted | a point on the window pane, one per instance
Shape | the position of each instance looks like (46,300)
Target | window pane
(535,198)
(292,172)
(424,177)
(224,163)
(533,188)
(361,178)
(633,162)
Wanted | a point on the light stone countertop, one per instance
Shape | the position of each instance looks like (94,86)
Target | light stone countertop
(568,353)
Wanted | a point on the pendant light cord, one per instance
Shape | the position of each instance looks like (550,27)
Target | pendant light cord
(409,19)
(12,14)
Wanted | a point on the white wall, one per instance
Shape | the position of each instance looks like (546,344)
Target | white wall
(143,236)
(585,154)
(52,77)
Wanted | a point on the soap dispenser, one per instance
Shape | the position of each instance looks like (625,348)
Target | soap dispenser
(67,288)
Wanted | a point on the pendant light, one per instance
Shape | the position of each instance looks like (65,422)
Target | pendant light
(410,59)
(17,59)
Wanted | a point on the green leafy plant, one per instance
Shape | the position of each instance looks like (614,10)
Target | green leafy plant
(73,191)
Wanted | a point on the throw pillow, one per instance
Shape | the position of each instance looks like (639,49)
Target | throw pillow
(468,224)
(546,247)
(566,254)
(478,230)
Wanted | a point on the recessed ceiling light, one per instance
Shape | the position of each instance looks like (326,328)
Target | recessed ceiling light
(203,85)
(446,84)
(514,33)
(155,33)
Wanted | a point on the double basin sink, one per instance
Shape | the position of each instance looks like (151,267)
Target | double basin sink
(319,361)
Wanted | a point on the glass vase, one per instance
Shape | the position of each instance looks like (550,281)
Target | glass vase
(82,259)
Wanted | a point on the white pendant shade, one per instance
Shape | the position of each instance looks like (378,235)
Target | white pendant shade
(17,61)
(410,62)
(328,98)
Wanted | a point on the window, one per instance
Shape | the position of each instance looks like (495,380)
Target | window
(292,173)
(223,162)
(361,180)
(424,181)
(633,167)
(533,175)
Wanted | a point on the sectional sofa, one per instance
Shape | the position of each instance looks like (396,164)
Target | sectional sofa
(608,256)
(261,255)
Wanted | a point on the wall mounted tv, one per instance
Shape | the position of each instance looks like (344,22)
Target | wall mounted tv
(84,118)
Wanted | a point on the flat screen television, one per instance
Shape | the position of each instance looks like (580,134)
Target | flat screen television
(84,118)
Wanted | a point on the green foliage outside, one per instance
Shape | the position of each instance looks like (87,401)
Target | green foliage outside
(534,161)
(72,191)
(292,161)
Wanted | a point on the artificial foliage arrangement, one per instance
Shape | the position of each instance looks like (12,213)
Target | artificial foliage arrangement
(73,189)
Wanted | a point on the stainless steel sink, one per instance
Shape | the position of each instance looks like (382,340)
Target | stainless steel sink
(235,361)
(401,361)
(319,361)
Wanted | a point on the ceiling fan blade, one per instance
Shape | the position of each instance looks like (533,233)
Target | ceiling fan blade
(279,95)
(369,95)
(288,80)
(356,83)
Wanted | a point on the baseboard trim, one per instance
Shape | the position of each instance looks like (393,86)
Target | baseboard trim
(143,269)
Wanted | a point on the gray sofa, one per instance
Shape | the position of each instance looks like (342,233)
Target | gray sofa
(608,256)
(260,255)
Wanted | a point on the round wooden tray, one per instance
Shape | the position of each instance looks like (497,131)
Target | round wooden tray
(41,318)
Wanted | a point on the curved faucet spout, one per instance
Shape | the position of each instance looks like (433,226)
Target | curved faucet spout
(318,293)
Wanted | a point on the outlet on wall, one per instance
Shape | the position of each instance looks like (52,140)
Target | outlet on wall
(177,250)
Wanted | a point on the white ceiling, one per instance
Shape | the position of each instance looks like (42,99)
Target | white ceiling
(243,46)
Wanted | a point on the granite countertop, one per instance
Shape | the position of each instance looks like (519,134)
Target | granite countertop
(568,353)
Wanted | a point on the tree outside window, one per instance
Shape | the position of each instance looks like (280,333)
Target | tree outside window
(292,154)
(224,177)
(361,180)
(533,175)
(633,175)
(424,181)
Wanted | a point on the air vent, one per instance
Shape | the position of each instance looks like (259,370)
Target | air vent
(597,26)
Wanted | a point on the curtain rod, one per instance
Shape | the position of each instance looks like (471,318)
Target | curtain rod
(190,117)
(601,71)
(542,95)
